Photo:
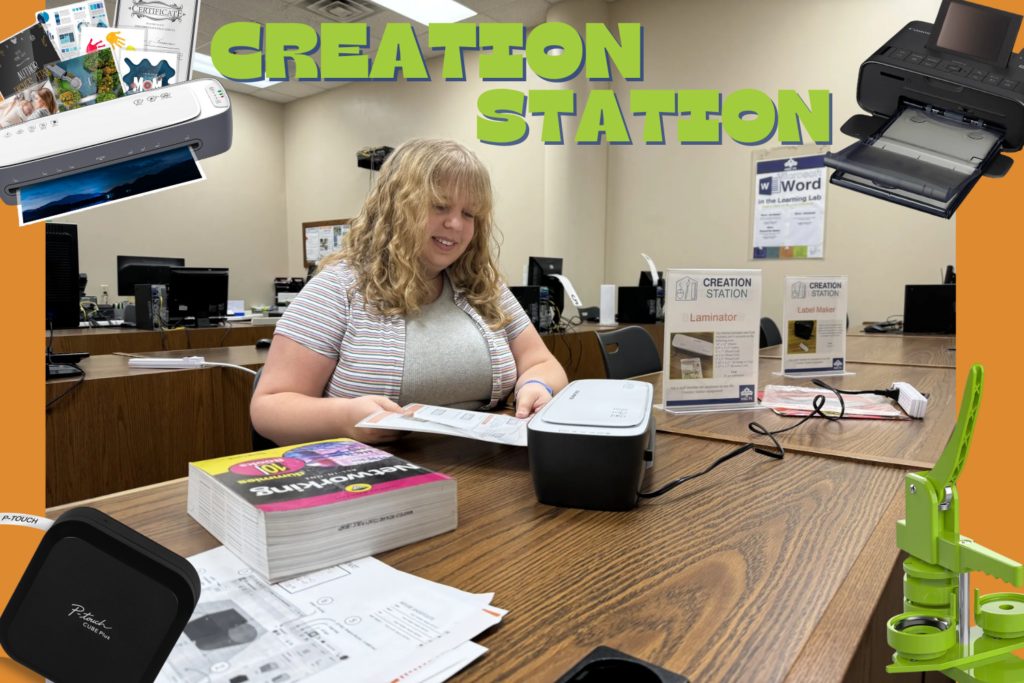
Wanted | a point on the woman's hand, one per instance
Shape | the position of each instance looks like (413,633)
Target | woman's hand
(355,410)
(530,399)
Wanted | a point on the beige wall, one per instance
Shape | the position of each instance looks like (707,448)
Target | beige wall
(324,132)
(234,218)
(691,206)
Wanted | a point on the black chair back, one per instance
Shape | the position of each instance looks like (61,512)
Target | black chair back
(259,442)
(635,353)
(769,333)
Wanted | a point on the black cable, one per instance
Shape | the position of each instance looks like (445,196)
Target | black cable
(818,404)
(69,389)
(222,339)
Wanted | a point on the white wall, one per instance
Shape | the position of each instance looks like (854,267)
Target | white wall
(324,132)
(691,206)
(234,218)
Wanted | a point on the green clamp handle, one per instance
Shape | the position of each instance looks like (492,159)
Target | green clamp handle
(954,456)
(977,558)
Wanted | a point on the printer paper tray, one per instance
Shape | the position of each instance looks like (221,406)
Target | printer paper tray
(919,159)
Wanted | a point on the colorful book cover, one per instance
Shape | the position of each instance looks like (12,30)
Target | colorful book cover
(314,474)
(86,80)
(23,58)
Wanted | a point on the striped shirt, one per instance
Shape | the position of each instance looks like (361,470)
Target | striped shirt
(370,348)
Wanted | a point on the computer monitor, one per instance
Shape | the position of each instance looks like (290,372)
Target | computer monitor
(144,270)
(198,293)
(62,300)
(539,275)
(930,309)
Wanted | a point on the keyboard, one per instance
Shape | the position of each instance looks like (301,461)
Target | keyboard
(102,323)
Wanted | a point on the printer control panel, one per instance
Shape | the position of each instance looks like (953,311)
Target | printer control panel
(909,49)
(217,95)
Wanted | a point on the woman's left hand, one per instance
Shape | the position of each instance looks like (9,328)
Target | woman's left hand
(530,399)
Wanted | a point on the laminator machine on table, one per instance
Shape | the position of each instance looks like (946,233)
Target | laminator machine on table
(946,102)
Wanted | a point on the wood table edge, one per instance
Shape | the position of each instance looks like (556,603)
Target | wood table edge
(57,510)
(849,611)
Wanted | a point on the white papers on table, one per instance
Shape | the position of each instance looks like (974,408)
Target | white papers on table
(358,621)
(494,427)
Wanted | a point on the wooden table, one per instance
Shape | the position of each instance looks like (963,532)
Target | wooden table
(730,577)
(914,444)
(123,427)
(880,349)
(579,352)
(97,341)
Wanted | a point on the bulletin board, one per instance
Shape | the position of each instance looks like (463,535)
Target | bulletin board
(321,238)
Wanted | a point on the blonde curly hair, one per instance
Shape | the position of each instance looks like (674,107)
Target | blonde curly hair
(385,240)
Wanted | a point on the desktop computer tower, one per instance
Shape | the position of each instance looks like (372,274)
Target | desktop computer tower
(534,301)
(930,309)
(150,306)
(638,305)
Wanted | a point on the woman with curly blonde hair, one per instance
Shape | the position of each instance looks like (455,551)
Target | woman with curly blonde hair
(411,310)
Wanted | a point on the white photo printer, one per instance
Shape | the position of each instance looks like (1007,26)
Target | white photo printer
(946,104)
(591,444)
(193,113)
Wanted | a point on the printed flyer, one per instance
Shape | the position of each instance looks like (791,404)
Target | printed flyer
(814,325)
(789,211)
(712,323)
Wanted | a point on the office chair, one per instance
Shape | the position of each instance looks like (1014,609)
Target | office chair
(636,353)
(769,333)
(259,442)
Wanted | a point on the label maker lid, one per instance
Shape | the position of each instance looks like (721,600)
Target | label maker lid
(601,403)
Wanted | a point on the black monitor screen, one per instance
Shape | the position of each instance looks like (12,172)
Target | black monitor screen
(200,293)
(144,270)
(975,31)
(62,294)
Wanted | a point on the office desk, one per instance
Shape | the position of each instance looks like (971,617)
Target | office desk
(914,444)
(103,340)
(579,352)
(880,349)
(726,578)
(125,427)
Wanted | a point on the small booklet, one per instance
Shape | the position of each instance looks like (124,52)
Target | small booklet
(797,401)
(494,427)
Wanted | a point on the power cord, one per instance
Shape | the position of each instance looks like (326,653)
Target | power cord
(757,428)
(72,387)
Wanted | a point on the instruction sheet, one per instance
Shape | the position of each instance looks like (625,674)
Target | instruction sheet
(469,424)
(712,334)
(789,207)
(814,325)
(358,621)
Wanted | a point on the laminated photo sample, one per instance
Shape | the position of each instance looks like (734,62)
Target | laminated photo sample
(170,27)
(108,184)
(23,60)
(31,104)
(64,25)
(142,71)
(86,80)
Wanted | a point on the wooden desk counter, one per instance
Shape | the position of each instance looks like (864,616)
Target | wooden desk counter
(914,443)
(98,341)
(723,579)
(880,349)
(579,352)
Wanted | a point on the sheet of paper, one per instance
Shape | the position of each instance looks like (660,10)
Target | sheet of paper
(64,25)
(445,666)
(493,427)
(108,184)
(22,58)
(144,70)
(170,27)
(85,80)
(116,39)
(312,244)
(789,207)
(359,621)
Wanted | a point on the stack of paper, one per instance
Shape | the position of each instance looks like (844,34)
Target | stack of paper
(494,427)
(361,621)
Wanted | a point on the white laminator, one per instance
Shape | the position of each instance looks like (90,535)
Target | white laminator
(193,113)
(685,342)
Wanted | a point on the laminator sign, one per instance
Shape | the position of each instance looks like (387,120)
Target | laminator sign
(789,208)
(712,328)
